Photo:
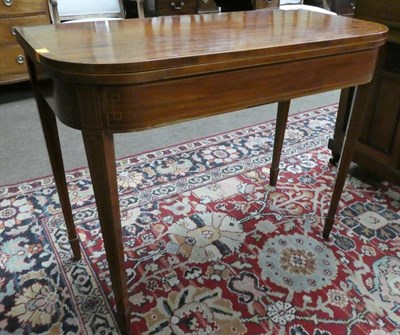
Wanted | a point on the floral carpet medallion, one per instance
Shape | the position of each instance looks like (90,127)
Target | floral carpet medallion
(210,247)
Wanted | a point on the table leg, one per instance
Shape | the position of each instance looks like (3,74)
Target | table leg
(354,126)
(281,120)
(50,130)
(101,159)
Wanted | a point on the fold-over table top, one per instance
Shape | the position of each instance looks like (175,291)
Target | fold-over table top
(195,43)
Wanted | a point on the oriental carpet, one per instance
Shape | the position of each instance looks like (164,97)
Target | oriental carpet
(210,247)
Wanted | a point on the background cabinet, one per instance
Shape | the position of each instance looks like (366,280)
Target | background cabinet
(33,12)
(14,13)
(176,7)
(343,7)
(379,147)
(269,4)
(180,7)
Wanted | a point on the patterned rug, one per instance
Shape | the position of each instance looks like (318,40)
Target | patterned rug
(210,247)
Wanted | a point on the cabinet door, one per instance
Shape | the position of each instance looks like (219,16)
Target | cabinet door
(382,129)
(384,11)
(378,149)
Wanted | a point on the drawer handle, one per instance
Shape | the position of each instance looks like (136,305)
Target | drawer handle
(177,7)
(13,30)
(267,1)
(20,59)
(8,2)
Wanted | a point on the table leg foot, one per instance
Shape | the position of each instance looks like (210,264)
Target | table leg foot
(334,160)
(76,249)
(329,221)
(273,176)
(123,321)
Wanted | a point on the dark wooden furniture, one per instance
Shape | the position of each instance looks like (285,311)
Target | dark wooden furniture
(265,4)
(104,81)
(343,7)
(14,13)
(182,7)
(379,147)
(179,7)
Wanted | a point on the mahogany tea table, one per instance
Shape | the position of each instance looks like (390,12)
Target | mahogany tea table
(107,77)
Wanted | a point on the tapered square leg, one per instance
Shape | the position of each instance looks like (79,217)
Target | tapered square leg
(101,158)
(50,130)
(281,121)
(358,106)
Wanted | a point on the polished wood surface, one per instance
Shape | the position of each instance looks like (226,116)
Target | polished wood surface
(134,74)
(167,55)
(378,149)
(185,45)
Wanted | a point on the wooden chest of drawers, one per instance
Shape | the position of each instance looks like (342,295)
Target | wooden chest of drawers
(181,7)
(15,13)
(343,7)
(379,147)
(176,7)
(268,4)
(206,6)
